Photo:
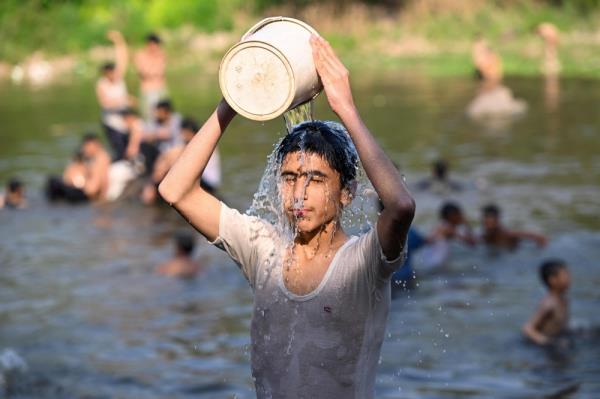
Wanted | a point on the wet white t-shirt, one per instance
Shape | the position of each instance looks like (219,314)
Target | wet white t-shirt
(325,344)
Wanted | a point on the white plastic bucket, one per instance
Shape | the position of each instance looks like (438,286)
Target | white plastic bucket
(271,70)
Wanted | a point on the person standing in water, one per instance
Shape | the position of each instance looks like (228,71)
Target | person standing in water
(111,92)
(453,225)
(551,319)
(550,34)
(14,197)
(496,235)
(86,178)
(150,64)
(98,163)
(493,99)
(165,131)
(182,265)
(488,65)
(550,65)
(440,181)
(211,177)
(320,301)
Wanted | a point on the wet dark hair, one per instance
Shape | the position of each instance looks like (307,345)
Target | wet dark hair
(78,155)
(440,169)
(491,210)
(189,124)
(165,104)
(185,242)
(107,66)
(14,185)
(448,209)
(550,268)
(328,140)
(153,38)
(88,137)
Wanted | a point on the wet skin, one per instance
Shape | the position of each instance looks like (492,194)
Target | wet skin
(313,198)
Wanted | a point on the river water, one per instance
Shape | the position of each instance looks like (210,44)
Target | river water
(81,305)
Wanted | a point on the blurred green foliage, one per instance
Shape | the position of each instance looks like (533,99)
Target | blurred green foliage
(71,26)
(58,26)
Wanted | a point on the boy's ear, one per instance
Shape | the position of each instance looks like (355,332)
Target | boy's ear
(348,193)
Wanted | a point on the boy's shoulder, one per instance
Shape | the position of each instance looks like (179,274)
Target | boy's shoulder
(549,302)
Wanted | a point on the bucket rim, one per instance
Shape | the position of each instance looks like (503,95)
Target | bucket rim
(262,23)
(264,46)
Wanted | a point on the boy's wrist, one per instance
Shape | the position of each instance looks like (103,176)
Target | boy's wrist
(226,110)
(346,111)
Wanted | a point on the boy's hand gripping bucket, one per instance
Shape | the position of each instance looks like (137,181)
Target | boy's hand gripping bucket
(271,70)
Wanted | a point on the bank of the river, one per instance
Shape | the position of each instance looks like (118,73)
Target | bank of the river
(433,38)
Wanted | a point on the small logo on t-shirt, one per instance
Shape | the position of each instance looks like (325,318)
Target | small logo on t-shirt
(327,309)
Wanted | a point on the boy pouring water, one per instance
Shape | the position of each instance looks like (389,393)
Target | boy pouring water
(321,301)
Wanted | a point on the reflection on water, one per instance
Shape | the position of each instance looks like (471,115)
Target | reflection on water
(80,304)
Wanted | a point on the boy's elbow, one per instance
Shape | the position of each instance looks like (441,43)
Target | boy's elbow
(167,194)
(527,329)
(405,208)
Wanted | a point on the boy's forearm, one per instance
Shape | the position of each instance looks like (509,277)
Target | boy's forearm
(122,56)
(382,173)
(534,335)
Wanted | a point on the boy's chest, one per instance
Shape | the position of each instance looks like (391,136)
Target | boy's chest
(302,276)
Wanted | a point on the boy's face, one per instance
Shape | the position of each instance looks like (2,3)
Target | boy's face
(311,191)
(110,74)
(490,222)
(561,280)
(455,218)
(90,148)
(161,114)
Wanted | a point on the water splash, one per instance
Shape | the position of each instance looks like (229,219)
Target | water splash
(267,203)
(302,113)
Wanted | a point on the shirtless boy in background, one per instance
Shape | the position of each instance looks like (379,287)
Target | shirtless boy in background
(551,319)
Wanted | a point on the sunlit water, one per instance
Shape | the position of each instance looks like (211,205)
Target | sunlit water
(81,304)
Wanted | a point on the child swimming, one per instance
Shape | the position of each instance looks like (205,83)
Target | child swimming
(552,316)
(496,235)
(321,300)
(182,265)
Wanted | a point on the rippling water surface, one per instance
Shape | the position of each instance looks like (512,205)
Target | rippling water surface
(81,304)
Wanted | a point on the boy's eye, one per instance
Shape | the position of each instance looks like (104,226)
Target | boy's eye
(317,179)
(289,179)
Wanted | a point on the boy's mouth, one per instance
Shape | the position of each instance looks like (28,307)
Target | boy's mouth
(299,213)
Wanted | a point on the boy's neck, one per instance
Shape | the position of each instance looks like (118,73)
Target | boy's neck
(557,292)
(322,239)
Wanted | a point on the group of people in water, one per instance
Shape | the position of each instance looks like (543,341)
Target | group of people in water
(141,146)
(433,249)
(336,283)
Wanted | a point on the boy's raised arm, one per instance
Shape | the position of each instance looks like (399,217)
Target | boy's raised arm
(180,187)
(121,53)
(399,206)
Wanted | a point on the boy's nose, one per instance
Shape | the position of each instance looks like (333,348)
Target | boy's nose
(299,190)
